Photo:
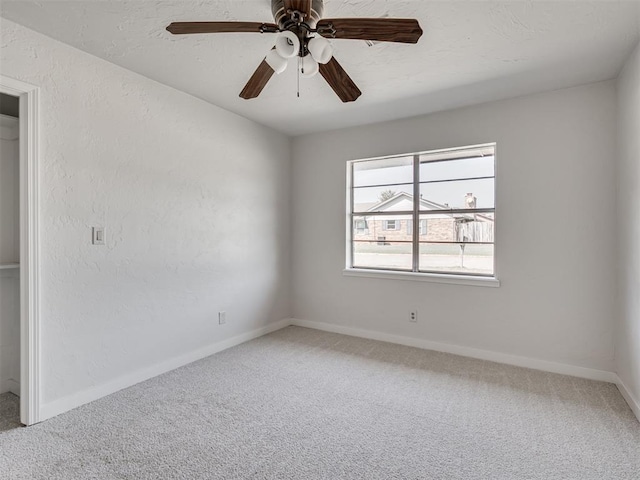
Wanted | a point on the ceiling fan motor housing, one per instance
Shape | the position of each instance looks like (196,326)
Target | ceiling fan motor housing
(289,20)
(283,19)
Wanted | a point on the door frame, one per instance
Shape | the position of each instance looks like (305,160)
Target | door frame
(29,247)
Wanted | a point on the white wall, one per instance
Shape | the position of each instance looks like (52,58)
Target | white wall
(195,202)
(9,254)
(555,209)
(628,328)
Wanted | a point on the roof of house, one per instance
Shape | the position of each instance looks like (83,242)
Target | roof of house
(383,205)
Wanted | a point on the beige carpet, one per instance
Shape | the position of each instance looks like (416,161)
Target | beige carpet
(303,404)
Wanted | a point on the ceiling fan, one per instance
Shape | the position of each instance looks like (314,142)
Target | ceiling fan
(302,32)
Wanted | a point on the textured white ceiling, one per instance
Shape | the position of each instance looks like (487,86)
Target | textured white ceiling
(471,52)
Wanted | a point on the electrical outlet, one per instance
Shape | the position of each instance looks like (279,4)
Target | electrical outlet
(222,318)
(413,316)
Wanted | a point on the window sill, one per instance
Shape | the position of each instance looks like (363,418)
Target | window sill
(423,277)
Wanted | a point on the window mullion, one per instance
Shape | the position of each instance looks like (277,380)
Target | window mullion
(351,208)
(416,216)
(393,213)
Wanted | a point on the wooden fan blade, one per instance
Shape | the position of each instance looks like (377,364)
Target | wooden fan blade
(258,81)
(303,6)
(339,81)
(403,30)
(180,28)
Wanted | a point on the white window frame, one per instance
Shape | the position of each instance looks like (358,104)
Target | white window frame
(416,275)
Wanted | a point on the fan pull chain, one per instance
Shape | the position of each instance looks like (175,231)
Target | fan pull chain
(298,69)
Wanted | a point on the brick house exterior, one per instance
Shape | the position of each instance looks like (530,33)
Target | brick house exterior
(444,227)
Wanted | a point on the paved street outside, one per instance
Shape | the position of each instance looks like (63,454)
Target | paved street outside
(480,264)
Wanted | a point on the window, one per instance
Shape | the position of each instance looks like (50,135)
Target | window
(360,226)
(423,227)
(449,194)
(391,225)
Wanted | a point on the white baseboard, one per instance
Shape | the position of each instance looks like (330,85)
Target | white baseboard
(508,359)
(633,402)
(69,402)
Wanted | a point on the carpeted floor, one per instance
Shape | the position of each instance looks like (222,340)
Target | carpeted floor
(303,404)
(9,412)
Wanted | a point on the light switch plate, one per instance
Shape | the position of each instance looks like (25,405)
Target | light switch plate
(97,235)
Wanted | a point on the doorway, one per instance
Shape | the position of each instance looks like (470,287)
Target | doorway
(9,263)
(19,248)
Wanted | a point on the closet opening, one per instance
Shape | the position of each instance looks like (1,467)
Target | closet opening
(9,262)
(19,253)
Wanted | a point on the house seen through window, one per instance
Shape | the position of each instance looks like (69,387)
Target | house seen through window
(449,194)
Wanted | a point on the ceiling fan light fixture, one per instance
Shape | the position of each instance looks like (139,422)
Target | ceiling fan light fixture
(309,67)
(320,49)
(287,44)
(301,30)
(276,62)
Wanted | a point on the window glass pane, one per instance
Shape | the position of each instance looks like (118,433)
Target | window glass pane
(454,169)
(383,171)
(383,199)
(471,259)
(458,194)
(457,227)
(382,254)
(383,228)
(457,243)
